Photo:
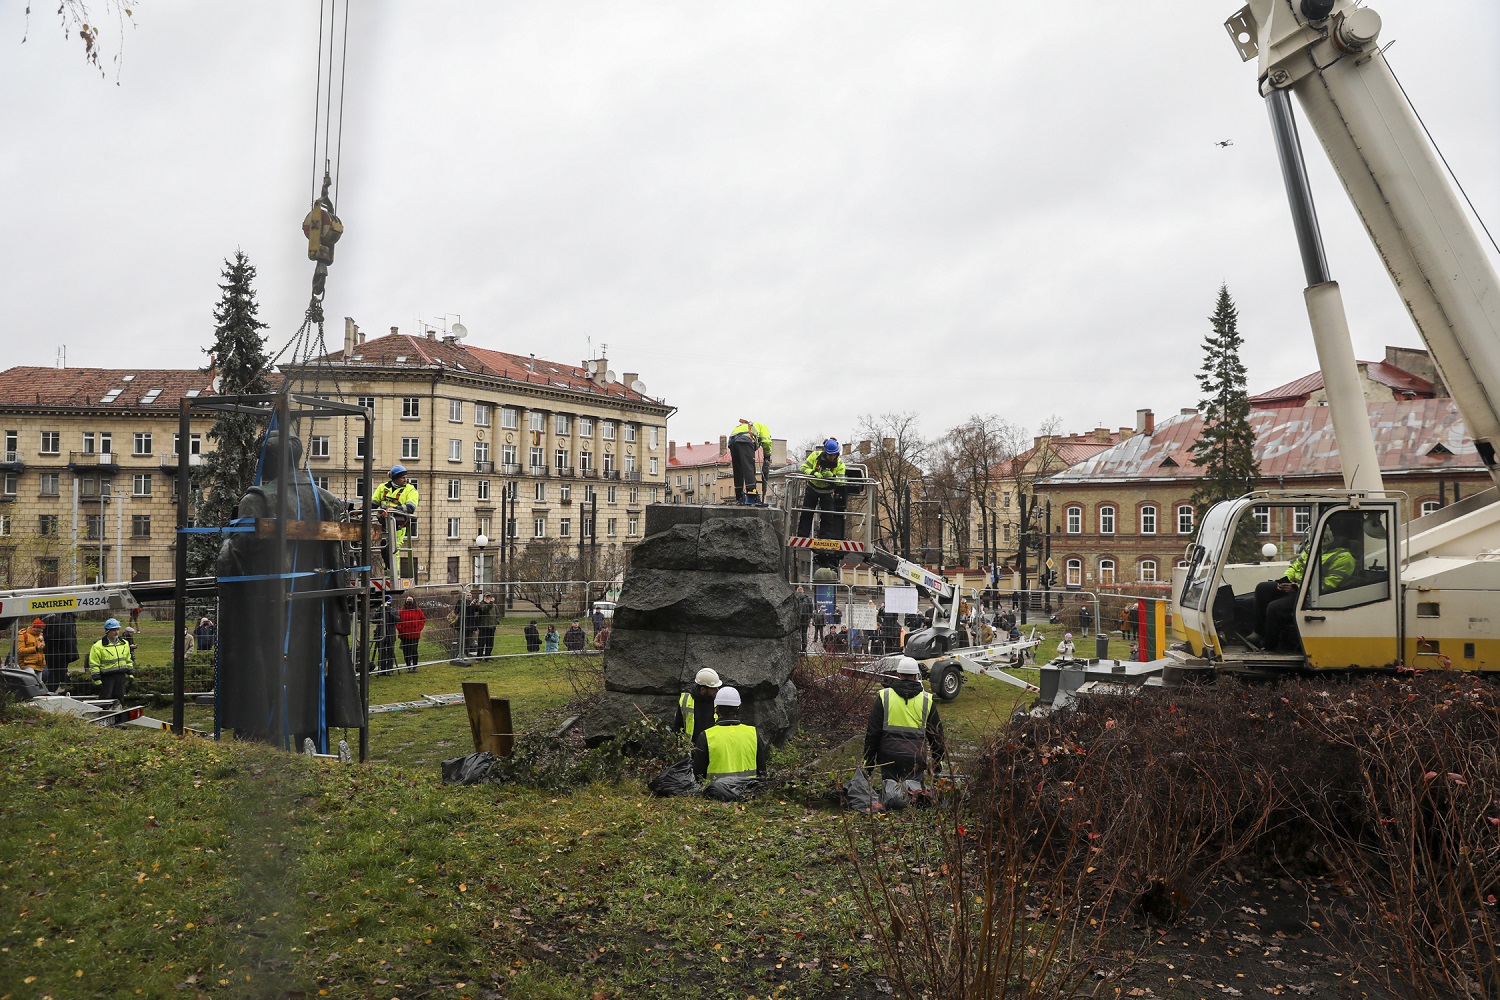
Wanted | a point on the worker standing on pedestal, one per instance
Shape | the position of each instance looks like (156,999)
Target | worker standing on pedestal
(744,440)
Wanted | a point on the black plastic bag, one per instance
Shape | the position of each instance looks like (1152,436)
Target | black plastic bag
(731,788)
(900,794)
(858,795)
(470,770)
(677,779)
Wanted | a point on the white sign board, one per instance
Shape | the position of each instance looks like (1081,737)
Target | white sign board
(901,600)
(862,617)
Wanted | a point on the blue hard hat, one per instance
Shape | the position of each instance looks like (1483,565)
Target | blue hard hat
(831,446)
(110,623)
(398,470)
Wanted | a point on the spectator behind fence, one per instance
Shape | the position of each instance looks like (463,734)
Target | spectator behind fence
(206,635)
(601,640)
(573,639)
(489,617)
(533,637)
(551,639)
(409,627)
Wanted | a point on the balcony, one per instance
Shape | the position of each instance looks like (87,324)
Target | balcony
(12,461)
(486,467)
(565,501)
(589,473)
(103,461)
(632,477)
(612,474)
(537,470)
(169,460)
(564,471)
(510,469)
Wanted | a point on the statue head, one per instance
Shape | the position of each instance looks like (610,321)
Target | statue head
(269,446)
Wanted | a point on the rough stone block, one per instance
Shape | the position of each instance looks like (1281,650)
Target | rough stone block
(749,605)
(674,548)
(661,516)
(741,545)
(641,662)
(757,667)
(614,711)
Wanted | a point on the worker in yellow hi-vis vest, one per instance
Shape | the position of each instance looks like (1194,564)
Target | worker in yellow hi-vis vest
(903,726)
(400,495)
(729,748)
(695,707)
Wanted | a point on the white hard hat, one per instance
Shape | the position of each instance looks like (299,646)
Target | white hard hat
(728,697)
(1067,635)
(708,677)
(908,666)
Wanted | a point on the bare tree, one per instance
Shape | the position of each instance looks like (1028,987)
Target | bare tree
(81,18)
(895,460)
(971,457)
(543,576)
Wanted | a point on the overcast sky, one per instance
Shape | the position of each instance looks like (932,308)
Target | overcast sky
(794,212)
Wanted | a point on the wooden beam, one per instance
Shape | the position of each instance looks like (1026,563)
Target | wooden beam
(311,531)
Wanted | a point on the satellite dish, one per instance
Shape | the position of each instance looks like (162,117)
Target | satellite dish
(458,331)
(588,366)
(215,384)
(638,386)
(609,376)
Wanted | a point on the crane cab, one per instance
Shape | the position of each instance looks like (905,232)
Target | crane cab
(1345,610)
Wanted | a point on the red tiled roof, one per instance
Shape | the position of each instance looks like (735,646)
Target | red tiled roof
(1396,379)
(694,455)
(1295,442)
(403,349)
(90,387)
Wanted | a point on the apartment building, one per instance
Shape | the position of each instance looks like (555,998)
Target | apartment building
(570,453)
(88,477)
(1124,517)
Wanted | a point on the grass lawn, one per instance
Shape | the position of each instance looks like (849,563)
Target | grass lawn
(135,863)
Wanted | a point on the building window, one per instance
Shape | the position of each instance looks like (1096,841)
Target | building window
(140,525)
(455,450)
(653,494)
(482,489)
(1302,518)
(565,492)
(50,484)
(560,458)
(655,437)
(1262,515)
(51,442)
(509,459)
(455,489)
(484,527)
(359,486)
(510,418)
(561,423)
(359,447)
(635,495)
(609,463)
(46,572)
(453,524)
(482,415)
(317,446)
(1073,519)
(142,443)
(564,527)
(456,412)
(453,569)
(536,420)
(585,461)
(411,449)
(1184,519)
(588,493)
(4,525)
(1148,519)
(633,526)
(1106,520)
(609,527)
(93,529)
(538,527)
(321,482)
(411,407)
(607,430)
(195,443)
(538,458)
(586,427)
(140,484)
(512,527)
(653,466)
(630,433)
(629,464)
(612,494)
(539,492)
(1005,501)
(1147,571)
(1428,507)
(368,402)
(481,451)
(1073,573)
(46,525)
(1106,572)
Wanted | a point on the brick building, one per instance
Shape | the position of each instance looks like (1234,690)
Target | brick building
(1124,517)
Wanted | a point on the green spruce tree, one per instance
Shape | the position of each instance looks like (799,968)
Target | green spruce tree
(238,357)
(1225,450)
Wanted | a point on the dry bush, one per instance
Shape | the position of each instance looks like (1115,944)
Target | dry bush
(832,701)
(962,905)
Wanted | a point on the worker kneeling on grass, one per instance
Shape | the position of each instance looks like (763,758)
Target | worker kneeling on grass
(730,754)
(903,726)
(110,662)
